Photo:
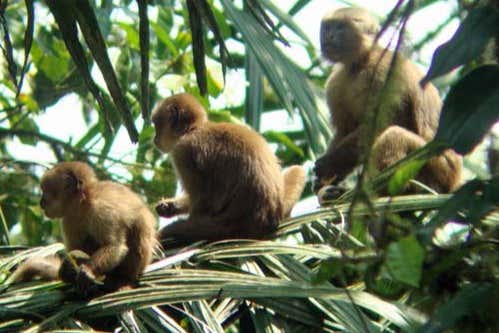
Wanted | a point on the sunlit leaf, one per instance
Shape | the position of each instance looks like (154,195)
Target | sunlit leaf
(28,40)
(132,35)
(163,37)
(279,137)
(287,20)
(403,174)
(89,26)
(66,20)
(253,102)
(404,260)
(286,78)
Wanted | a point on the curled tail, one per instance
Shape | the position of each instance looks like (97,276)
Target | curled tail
(42,268)
(295,178)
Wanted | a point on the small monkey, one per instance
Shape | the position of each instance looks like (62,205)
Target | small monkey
(234,186)
(51,268)
(108,229)
(352,90)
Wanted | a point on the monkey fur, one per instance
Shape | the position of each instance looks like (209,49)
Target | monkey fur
(234,186)
(352,92)
(108,229)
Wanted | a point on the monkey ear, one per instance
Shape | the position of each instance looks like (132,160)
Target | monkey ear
(73,183)
(180,120)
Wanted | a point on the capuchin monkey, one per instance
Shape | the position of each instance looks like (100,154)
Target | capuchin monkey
(108,230)
(234,186)
(353,91)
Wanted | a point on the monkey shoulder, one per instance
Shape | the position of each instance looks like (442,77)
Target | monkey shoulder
(218,142)
(222,157)
(421,104)
(346,94)
(114,201)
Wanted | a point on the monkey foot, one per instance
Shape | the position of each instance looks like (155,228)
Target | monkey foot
(166,208)
(330,192)
(86,284)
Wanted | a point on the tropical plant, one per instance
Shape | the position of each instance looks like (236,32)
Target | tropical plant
(420,263)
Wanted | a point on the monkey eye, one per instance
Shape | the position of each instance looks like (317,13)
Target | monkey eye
(340,26)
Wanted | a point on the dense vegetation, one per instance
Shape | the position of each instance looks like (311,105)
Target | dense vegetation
(422,263)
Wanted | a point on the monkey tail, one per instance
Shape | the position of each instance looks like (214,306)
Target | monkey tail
(294,183)
(145,242)
(43,268)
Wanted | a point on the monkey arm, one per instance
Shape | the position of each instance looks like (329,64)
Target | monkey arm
(107,257)
(173,206)
(341,157)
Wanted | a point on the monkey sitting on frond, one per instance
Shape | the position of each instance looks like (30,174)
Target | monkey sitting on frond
(108,230)
(357,86)
(233,183)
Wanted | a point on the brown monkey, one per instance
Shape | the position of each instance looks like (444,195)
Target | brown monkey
(234,186)
(348,37)
(43,268)
(101,219)
(51,268)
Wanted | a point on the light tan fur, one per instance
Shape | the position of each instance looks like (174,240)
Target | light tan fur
(37,268)
(357,85)
(234,186)
(103,219)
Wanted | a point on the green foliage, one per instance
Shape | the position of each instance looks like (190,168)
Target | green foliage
(468,43)
(420,263)
(473,300)
(470,109)
(404,261)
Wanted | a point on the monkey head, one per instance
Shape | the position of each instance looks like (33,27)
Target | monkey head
(63,184)
(346,34)
(174,117)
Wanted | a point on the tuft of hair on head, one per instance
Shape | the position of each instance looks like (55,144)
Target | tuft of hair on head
(80,170)
(182,112)
(76,176)
(366,22)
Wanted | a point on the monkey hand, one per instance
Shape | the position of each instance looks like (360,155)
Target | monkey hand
(70,265)
(167,208)
(86,283)
(324,173)
(329,193)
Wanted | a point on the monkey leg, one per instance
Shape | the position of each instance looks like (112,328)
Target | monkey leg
(186,231)
(173,206)
(294,182)
(340,159)
(74,270)
(70,265)
(42,268)
(442,172)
